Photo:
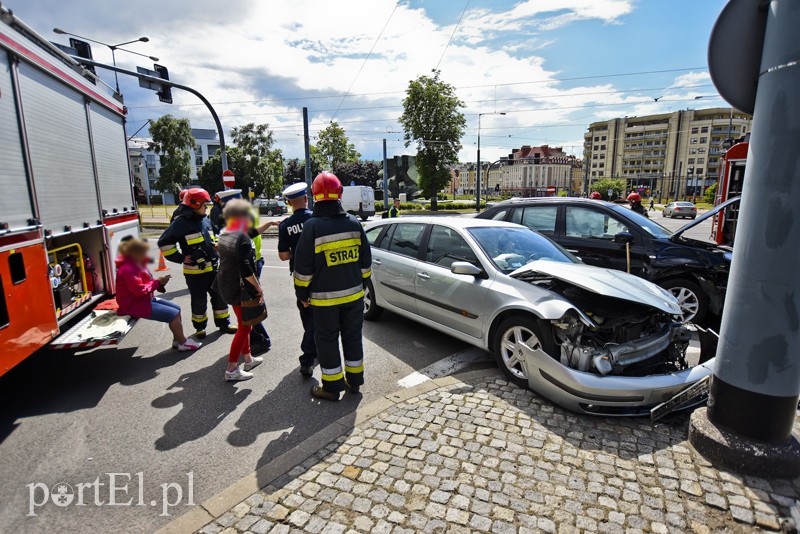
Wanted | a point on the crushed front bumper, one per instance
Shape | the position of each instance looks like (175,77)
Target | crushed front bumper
(609,395)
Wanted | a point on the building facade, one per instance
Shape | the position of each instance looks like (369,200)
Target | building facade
(670,153)
(146,163)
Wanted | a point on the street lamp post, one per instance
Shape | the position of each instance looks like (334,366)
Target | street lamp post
(478,171)
(113,49)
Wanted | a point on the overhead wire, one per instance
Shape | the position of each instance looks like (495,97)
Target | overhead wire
(450,40)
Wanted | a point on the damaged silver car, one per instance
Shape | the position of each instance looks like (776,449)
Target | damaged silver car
(590,339)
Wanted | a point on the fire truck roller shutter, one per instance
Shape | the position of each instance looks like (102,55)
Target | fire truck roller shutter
(58,141)
(15,205)
(111,153)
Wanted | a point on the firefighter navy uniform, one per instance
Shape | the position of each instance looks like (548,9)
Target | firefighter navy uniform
(289,233)
(189,240)
(331,267)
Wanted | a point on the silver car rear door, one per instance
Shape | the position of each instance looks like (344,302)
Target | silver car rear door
(395,268)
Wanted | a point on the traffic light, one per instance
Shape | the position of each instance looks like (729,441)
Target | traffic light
(165,94)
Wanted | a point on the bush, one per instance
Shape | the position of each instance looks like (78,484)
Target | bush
(563,193)
(710,193)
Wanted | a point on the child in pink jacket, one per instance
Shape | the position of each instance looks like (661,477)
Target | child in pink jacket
(135,288)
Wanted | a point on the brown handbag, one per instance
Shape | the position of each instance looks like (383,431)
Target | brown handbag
(253,311)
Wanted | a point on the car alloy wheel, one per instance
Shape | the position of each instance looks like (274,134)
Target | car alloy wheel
(688,301)
(511,344)
(269,213)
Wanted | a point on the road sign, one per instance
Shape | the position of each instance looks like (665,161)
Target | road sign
(164,92)
(228,178)
(734,51)
(252,195)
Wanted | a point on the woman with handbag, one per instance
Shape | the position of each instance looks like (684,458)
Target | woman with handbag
(237,283)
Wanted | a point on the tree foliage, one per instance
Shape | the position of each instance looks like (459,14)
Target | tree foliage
(263,165)
(361,172)
(604,184)
(432,119)
(172,141)
(335,147)
(710,193)
(210,174)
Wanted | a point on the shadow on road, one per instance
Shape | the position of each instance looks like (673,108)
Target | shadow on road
(205,400)
(70,380)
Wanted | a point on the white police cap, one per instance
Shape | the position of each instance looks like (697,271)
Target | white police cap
(295,190)
(229,194)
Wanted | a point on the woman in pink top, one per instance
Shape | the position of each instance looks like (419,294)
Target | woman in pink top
(135,288)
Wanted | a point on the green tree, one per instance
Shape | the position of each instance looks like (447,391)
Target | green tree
(710,193)
(604,184)
(432,119)
(361,172)
(172,141)
(335,147)
(263,171)
(210,174)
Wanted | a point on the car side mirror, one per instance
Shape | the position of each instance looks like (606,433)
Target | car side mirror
(465,268)
(623,238)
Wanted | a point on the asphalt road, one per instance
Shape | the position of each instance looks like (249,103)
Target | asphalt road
(72,416)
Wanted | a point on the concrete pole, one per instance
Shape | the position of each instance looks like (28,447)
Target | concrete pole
(385,179)
(756,383)
(478,170)
(307,148)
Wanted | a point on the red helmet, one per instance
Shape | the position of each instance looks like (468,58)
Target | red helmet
(196,197)
(181,195)
(326,186)
(634,197)
(595,195)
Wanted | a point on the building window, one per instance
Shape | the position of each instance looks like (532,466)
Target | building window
(603,138)
(151,159)
(602,147)
(699,172)
(597,138)
(692,151)
(602,156)
(704,129)
(594,165)
(701,150)
(703,140)
(700,161)
(602,165)
(694,130)
(693,141)
(594,173)
(691,161)
(596,147)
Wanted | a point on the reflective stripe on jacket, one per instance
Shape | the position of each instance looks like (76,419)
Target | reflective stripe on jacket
(189,240)
(333,258)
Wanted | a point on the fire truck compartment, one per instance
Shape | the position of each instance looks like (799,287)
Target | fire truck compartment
(98,328)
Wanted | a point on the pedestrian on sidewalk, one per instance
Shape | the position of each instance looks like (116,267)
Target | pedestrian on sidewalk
(652,204)
(289,233)
(135,289)
(331,266)
(237,281)
(190,240)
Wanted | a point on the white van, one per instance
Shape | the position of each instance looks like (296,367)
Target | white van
(359,200)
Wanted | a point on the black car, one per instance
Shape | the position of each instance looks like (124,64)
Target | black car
(270,207)
(696,272)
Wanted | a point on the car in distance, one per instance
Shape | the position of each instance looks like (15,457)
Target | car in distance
(696,272)
(590,339)
(270,207)
(682,209)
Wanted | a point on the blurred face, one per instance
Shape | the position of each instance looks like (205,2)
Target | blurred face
(397,204)
(202,209)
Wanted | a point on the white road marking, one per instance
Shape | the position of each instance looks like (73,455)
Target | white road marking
(444,367)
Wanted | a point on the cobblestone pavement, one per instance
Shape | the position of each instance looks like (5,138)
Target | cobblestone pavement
(491,457)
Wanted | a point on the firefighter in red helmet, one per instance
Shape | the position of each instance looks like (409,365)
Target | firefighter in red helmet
(596,196)
(189,240)
(331,267)
(635,200)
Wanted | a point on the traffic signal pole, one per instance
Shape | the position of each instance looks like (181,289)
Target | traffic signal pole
(167,83)
(749,424)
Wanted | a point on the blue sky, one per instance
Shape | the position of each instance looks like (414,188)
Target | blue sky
(263,61)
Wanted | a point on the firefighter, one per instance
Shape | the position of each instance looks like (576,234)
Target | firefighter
(635,201)
(595,196)
(331,266)
(190,240)
(289,233)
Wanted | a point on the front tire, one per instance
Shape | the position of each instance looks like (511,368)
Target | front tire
(692,299)
(365,218)
(372,311)
(513,332)
(269,213)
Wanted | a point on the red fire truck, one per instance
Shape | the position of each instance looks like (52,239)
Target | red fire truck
(731,179)
(67,198)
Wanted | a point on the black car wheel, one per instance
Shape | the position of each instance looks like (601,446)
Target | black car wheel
(371,310)
(693,302)
(511,334)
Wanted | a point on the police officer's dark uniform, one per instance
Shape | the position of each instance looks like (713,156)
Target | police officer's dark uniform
(288,236)
(189,240)
(331,266)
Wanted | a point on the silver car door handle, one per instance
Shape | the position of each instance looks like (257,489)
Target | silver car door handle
(573,251)
(424,276)
(376,262)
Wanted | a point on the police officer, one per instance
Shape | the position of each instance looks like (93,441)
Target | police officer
(190,240)
(288,236)
(331,266)
(394,211)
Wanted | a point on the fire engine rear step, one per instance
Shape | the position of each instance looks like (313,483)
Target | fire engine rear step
(100,327)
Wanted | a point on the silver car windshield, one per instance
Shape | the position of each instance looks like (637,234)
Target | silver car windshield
(512,248)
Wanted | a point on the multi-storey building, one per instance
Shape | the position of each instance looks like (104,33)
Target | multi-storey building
(146,163)
(678,151)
